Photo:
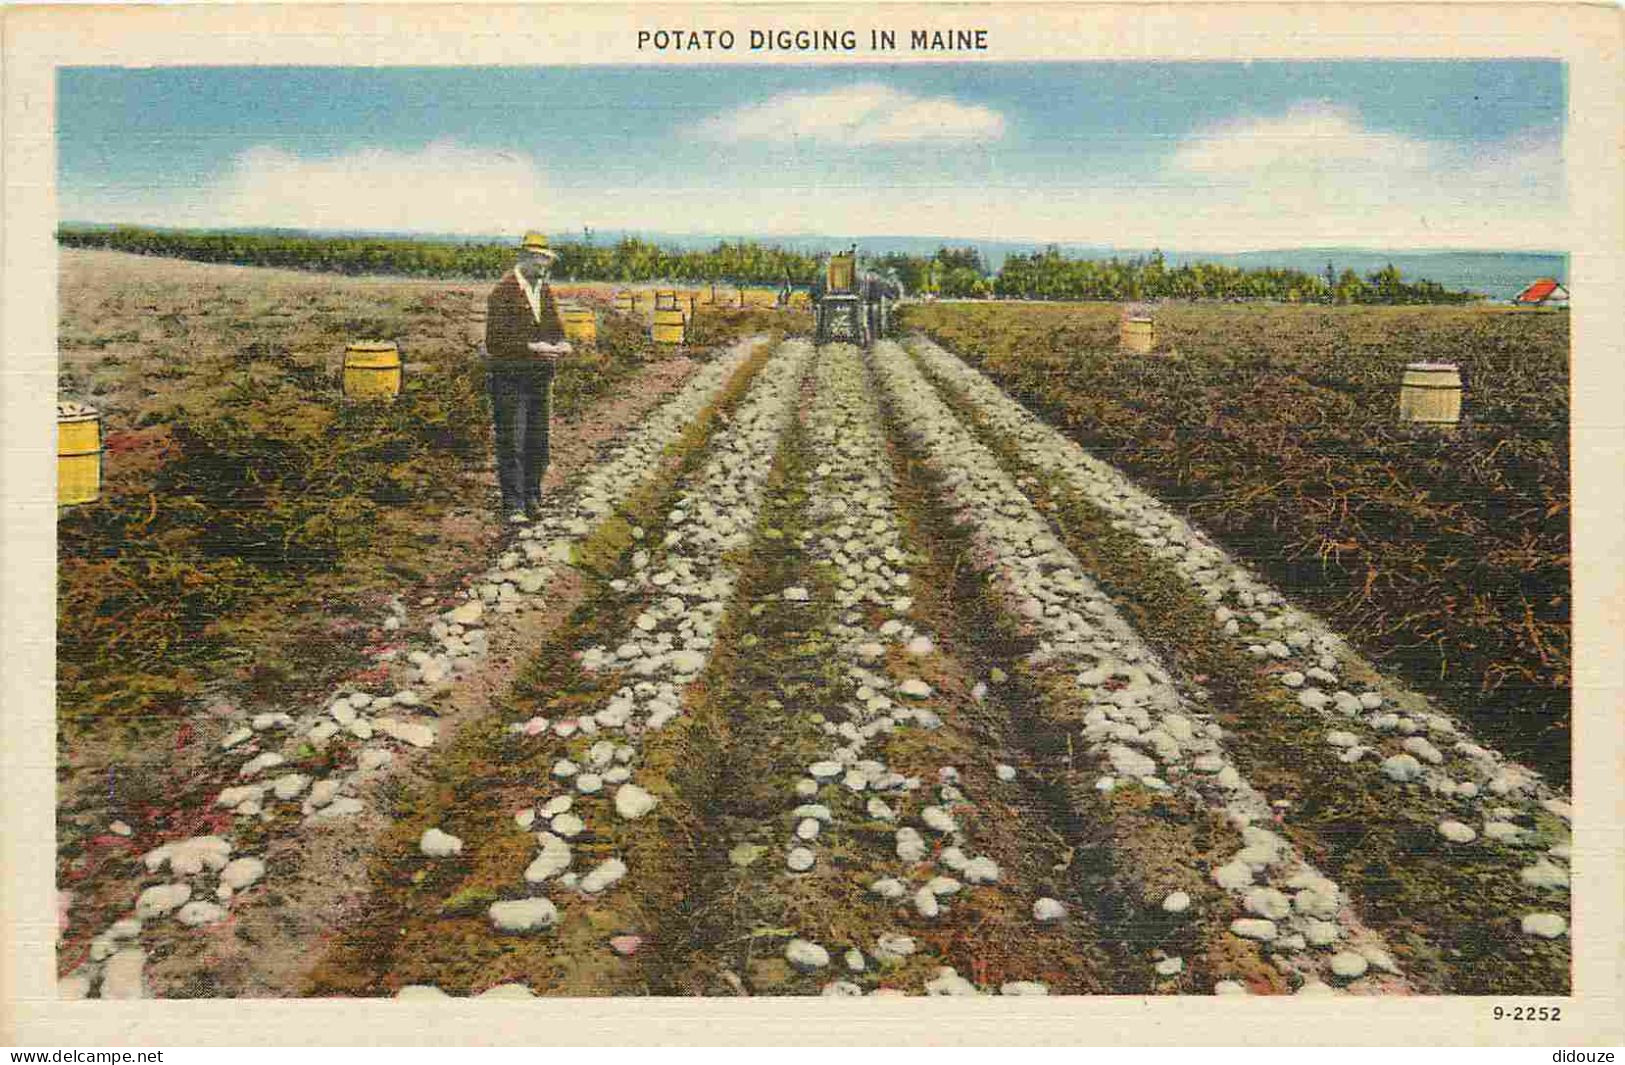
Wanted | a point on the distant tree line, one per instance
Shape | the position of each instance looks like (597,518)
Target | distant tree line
(1050,275)
(629,259)
(959,273)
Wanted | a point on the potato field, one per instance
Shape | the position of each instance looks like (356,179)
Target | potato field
(989,660)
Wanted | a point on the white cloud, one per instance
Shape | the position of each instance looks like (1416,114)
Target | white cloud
(858,116)
(443,187)
(1313,175)
(1312,139)
(1317,174)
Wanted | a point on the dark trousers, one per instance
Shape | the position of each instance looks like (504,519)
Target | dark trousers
(521,407)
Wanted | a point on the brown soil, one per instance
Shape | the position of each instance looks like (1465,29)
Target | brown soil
(161,782)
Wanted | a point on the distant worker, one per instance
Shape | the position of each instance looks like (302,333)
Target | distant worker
(523,341)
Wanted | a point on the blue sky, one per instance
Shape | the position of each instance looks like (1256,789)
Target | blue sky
(1216,156)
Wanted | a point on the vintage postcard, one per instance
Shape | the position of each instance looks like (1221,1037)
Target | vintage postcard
(749,507)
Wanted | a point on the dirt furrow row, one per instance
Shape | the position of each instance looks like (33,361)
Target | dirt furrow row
(1149,739)
(536,848)
(1459,856)
(855,841)
(311,781)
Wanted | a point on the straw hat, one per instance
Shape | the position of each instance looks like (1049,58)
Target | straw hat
(536,243)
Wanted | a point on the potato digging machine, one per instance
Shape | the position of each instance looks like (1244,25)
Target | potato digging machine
(852,306)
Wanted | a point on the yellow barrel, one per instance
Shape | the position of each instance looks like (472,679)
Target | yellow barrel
(625,302)
(842,272)
(1139,335)
(1430,393)
(669,327)
(580,325)
(78,453)
(372,370)
(666,299)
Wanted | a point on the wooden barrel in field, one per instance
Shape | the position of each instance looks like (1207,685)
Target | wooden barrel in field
(841,273)
(78,453)
(1139,335)
(580,325)
(669,326)
(476,327)
(1430,393)
(372,370)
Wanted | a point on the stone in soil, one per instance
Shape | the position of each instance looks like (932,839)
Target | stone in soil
(910,846)
(804,956)
(341,807)
(888,888)
(949,982)
(1176,902)
(1170,966)
(603,876)
(925,903)
(200,913)
(1544,874)
(1423,750)
(242,873)
(437,844)
(1456,832)
(1544,925)
(188,857)
(746,854)
(1268,902)
(799,860)
(1046,910)
(1402,768)
(632,802)
(981,871)
(523,915)
(554,858)
(161,899)
(1233,875)
(1349,965)
(1253,928)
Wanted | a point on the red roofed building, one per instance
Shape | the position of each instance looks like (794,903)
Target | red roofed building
(1546,290)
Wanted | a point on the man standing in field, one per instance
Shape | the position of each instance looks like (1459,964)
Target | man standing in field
(523,340)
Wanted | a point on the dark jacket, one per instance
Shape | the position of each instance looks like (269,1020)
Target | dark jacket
(509,325)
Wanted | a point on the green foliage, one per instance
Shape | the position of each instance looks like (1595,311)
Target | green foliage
(630,259)
(1443,554)
(1050,275)
(954,273)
